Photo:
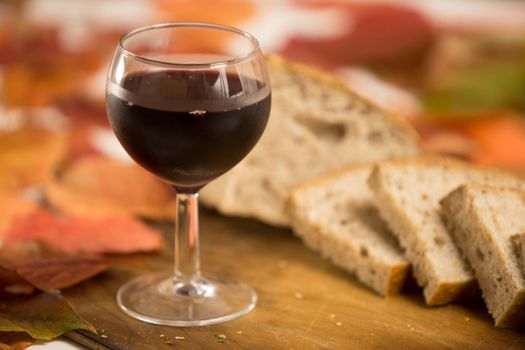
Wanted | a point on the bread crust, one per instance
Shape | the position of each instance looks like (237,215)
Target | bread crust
(330,79)
(488,248)
(421,233)
(361,245)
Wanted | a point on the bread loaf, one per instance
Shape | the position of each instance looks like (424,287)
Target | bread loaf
(482,220)
(407,195)
(335,215)
(316,124)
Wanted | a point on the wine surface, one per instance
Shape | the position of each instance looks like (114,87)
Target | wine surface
(188,127)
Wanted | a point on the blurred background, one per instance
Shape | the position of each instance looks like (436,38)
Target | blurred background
(454,69)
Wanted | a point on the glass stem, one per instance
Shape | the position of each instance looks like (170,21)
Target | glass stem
(187,264)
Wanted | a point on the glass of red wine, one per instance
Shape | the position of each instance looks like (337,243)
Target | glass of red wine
(187,101)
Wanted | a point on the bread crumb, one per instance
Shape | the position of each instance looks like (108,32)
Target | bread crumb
(103,336)
(239,332)
(332,315)
(162,336)
(220,338)
(338,324)
(298,295)
(178,337)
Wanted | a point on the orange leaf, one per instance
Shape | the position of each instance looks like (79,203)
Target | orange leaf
(28,157)
(97,187)
(230,12)
(29,86)
(12,205)
(502,140)
(76,234)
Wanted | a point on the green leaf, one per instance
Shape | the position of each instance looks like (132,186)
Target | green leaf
(42,316)
(492,86)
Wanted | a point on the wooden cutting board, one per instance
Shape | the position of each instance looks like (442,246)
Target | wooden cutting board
(304,303)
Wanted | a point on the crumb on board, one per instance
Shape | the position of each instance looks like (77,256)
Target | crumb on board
(162,336)
(179,337)
(332,315)
(338,324)
(220,338)
(299,295)
(104,336)
(239,332)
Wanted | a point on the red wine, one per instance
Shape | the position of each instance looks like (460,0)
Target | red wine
(188,127)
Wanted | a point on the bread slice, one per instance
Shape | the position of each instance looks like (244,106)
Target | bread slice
(407,195)
(482,220)
(518,243)
(335,215)
(316,124)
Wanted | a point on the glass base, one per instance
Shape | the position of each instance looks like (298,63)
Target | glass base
(157,299)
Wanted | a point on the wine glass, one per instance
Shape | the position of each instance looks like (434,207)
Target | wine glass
(187,101)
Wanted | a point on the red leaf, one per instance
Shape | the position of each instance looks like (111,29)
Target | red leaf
(76,234)
(60,273)
(30,264)
(379,33)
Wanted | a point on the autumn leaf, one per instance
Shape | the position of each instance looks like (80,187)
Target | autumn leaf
(42,316)
(28,264)
(501,140)
(29,157)
(230,12)
(12,283)
(77,234)
(12,204)
(381,34)
(61,273)
(15,340)
(478,136)
(40,72)
(97,187)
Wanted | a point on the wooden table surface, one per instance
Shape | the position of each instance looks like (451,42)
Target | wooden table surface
(304,303)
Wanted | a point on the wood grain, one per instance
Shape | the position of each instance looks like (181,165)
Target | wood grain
(304,303)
